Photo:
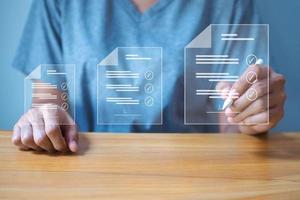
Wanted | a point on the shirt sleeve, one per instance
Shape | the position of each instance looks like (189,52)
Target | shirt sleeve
(41,39)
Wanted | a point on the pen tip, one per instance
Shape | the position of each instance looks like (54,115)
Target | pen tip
(259,62)
(227,103)
(224,106)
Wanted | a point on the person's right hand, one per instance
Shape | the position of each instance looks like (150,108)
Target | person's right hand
(43,129)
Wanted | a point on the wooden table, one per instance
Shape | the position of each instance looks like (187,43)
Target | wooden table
(156,166)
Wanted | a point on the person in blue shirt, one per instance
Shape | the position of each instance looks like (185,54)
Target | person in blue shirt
(84,32)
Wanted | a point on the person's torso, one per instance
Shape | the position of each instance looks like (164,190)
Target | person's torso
(92,29)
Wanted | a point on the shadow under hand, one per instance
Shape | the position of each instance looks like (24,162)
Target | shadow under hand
(84,144)
(279,146)
(83,147)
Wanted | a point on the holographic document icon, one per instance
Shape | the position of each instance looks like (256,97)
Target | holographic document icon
(129,86)
(223,53)
(51,88)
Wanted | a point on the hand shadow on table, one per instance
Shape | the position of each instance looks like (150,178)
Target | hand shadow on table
(83,147)
(278,146)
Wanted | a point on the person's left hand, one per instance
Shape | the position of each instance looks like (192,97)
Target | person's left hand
(256,105)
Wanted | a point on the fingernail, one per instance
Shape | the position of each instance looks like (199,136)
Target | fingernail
(226,89)
(14,137)
(228,111)
(230,120)
(73,146)
(225,92)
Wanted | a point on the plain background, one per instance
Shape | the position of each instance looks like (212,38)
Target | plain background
(282,15)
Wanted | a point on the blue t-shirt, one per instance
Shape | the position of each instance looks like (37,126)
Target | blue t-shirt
(83,32)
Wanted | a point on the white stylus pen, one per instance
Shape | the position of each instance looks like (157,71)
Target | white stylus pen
(229,101)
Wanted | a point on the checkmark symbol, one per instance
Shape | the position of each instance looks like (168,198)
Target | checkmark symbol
(251,60)
(149,101)
(148,87)
(149,75)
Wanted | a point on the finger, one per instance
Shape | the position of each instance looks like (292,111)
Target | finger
(258,89)
(271,116)
(16,138)
(259,118)
(53,131)
(69,130)
(71,135)
(253,93)
(224,88)
(244,82)
(39,134)
(37,122)
(223,85)
(277,82)
(254,130)
(257,106)
(27,135)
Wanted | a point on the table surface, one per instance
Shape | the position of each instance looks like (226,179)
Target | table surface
(156,166)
